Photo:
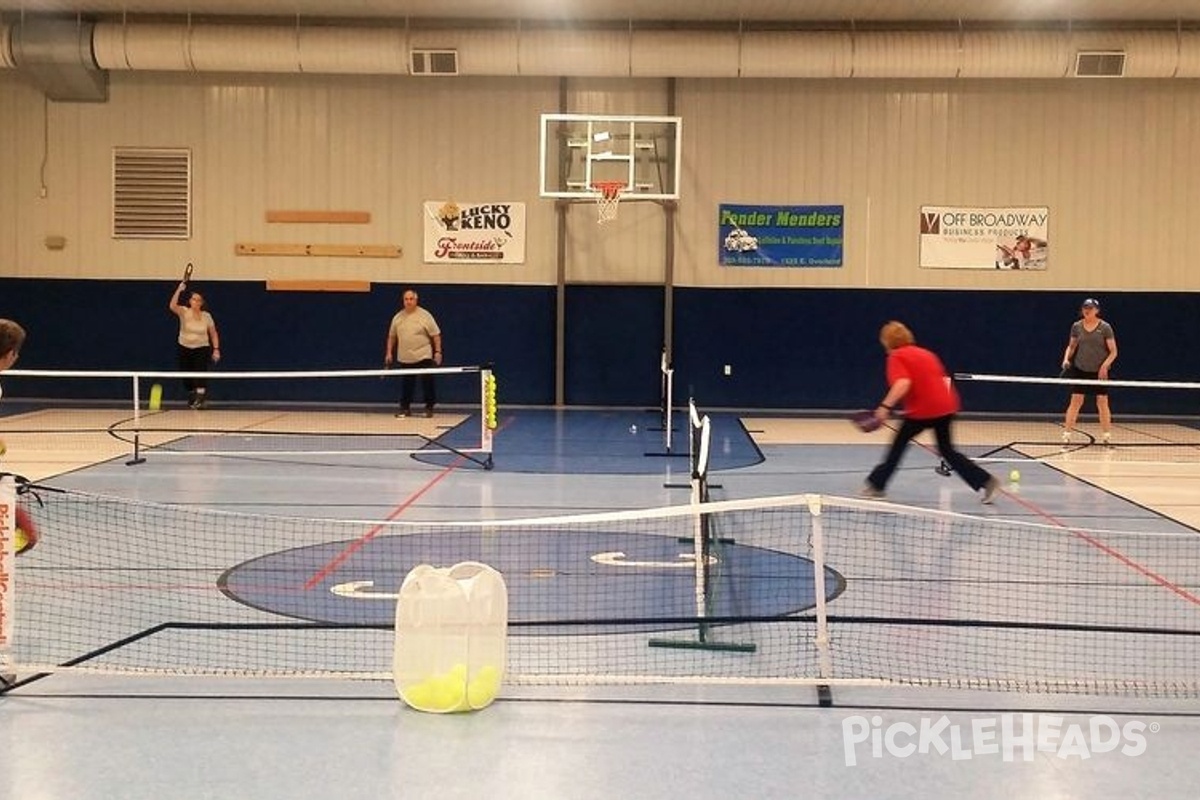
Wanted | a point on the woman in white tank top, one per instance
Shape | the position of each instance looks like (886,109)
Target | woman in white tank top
(198,342)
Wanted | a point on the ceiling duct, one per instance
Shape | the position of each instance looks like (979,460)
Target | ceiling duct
(252,48)
(353,51)
(56,56)
(1187,64)
(692,54)
(906,54)
(480,52)
(590,54)
(797,54)
(6,59)
(1015,54)
(623,53)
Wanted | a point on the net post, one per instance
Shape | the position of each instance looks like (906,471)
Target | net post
(8,557)
(136,458)
(824,660)
(668,384)
(487,413)
(700,556)
(694,424)
(703,541)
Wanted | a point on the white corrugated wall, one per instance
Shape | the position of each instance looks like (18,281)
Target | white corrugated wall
(1115,160)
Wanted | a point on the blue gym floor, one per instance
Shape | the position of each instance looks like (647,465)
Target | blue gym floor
(71,736)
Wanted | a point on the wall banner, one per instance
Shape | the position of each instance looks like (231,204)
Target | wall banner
(484,232)
(780,236)
(956,237)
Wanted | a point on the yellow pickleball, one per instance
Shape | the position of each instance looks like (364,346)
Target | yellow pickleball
(419,695)
(156,397)
(448,693)
(484,687)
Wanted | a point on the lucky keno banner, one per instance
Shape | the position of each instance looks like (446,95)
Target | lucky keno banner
(957,237)
(457,232)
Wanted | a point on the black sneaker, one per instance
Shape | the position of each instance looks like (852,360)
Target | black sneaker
(428,413)
(404,412)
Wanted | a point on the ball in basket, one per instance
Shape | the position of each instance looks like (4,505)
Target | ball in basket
(26,533)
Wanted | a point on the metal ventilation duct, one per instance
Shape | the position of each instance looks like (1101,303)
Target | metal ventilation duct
(6,59)
(56,56)
(636,53)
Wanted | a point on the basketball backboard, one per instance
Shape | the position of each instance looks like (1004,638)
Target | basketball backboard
(580,151)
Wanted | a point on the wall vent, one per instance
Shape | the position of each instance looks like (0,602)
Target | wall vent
(434,62)
(152,193)
(1099,64)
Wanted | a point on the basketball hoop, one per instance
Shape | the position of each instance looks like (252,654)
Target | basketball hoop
(608,199)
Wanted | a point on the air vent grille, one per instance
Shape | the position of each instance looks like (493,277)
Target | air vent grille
(152,193)
(434,62)
(1099,64)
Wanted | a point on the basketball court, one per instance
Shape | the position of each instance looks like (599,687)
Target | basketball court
(565,736)
(221,583)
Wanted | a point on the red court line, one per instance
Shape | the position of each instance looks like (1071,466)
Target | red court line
(1111,552)
(332,565)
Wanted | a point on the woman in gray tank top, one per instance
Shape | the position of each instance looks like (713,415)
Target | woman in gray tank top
(1091,350)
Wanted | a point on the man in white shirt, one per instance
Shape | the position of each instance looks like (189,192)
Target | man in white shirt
(414,341)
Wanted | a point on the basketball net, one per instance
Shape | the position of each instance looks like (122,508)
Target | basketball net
(608,200)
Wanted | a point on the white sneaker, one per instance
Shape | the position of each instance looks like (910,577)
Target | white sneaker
(1106,438)
(871,493)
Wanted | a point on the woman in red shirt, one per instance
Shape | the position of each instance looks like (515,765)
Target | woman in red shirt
(916,377)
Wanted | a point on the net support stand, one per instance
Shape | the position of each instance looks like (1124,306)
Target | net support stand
(824,659)
(703,542)
(699,431)
(137,457)
(667,409)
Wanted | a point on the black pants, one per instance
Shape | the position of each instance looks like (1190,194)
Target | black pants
(408,386)
(968,470)
(194,359)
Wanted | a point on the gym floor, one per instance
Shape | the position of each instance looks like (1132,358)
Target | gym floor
(77,736)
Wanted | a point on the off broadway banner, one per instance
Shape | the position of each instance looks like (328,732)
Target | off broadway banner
(954,237)
(780,236)
(483,232)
